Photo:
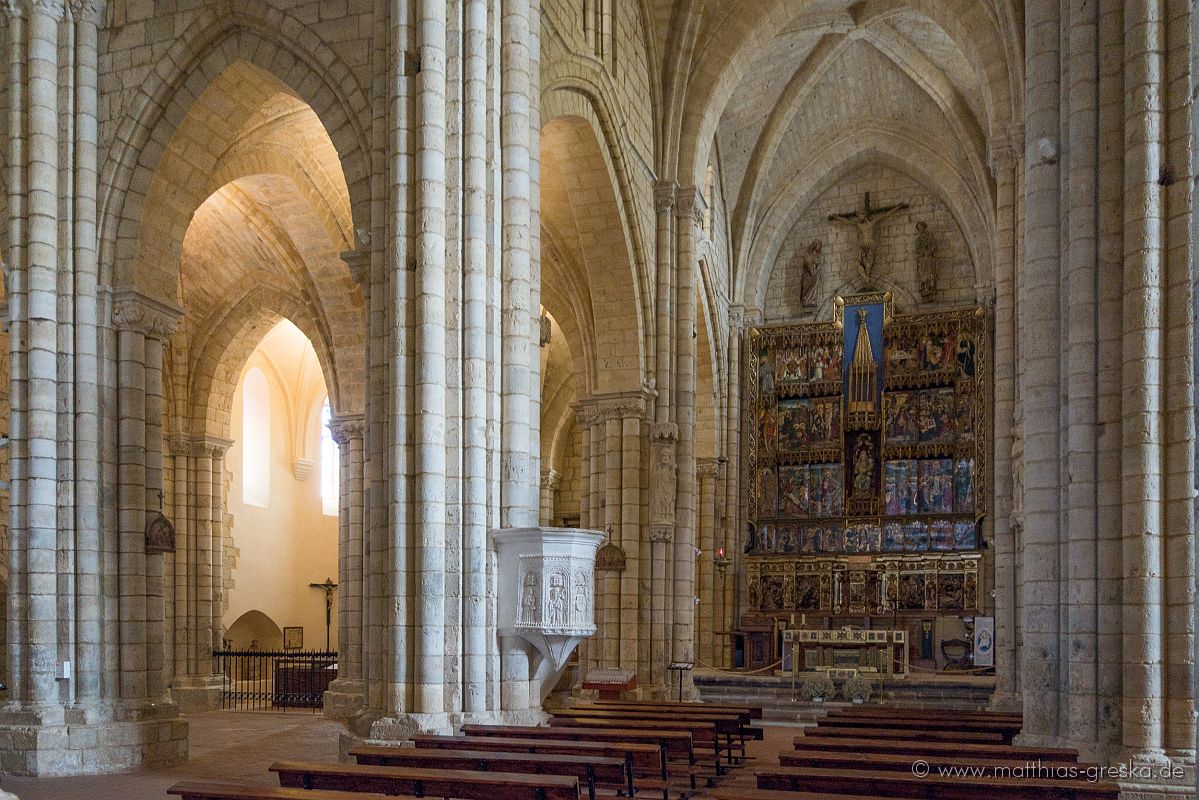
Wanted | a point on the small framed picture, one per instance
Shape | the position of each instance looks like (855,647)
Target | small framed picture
(293,638)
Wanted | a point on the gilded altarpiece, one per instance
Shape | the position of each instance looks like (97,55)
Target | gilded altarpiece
(866,460)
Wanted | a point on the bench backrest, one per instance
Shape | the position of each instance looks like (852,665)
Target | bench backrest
(583,767)
(644,756)
(742,715)
(677,744)
(822,729)
(946,787)
(466,784)
(755,712)
(214,790)
(972,749)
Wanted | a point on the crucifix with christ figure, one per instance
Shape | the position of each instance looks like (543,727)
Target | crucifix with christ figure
(865,219)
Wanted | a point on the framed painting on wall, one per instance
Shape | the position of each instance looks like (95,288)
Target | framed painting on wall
(293,638)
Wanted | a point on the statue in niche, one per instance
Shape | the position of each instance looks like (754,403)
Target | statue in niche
(926,261)
(665,486)
(865,219)
(556,602)
(863,467)
(809,273)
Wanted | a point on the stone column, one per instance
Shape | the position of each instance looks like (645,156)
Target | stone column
(1041,382)
(707,586)
(1005,167)
(346,694)
(549,484)
(634,619)
(663,489)
(1143,434)
(689,216)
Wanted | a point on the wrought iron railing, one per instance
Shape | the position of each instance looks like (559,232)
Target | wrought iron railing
(264,680)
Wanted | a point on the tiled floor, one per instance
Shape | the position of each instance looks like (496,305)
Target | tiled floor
(240,746)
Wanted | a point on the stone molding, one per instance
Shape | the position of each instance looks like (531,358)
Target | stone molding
(664,195)
(550,478)
(708,467)
(133,311)
(345,428)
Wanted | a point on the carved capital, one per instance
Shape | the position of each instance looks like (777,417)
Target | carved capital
(691,204)
(133,311)
(664,432)
(345,428)
(661,533)
(202,446)
(89,11)
(550,478)
(708,467)
(664,195)
(19,8)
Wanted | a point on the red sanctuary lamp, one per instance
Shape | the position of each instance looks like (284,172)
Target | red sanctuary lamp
(721,561)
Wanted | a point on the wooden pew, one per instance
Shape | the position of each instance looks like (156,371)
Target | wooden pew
(823,759)
(590,771)
(655,710)
(459,784)
(919,734)
(674,745)
(704,730)
(744,793)
(939,713)
(975,751)
(212,790)
(639,759)
(933,785)
(755,712)
(1007,729)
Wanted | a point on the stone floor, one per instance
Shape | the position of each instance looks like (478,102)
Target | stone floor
(240,745)
(233,745)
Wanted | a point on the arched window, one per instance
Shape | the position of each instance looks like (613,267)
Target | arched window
(330,463)
(256,439)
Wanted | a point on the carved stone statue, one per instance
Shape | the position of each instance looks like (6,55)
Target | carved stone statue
(530,600)
(809,274)
(556,614)
(665,486)
(865,219)
(926,261)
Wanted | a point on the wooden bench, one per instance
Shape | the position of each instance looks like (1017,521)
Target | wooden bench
(731,724)
(674,746)
(927,713)
(917,748)
(704,730)
(744,793)
(755,712)
(1006,729)
(591,771)
(460,784)
(919,734)
(823,759)
(639,759)
(933,785)
(212,790)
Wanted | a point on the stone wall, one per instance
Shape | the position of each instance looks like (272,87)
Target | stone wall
(895,267)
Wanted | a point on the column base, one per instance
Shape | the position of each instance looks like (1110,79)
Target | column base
(344,699)
(87,741)
(193,693)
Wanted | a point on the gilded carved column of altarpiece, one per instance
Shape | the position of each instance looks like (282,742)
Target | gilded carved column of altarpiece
(866,462)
